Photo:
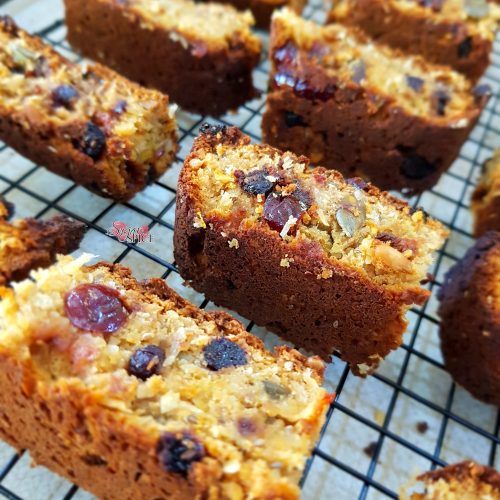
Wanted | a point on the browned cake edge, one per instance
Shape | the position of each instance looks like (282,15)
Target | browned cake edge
(320,315)
(196,77)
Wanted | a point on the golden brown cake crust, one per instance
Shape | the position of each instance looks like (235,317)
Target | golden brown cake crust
(31,243)
(38,132)
(250,278)
(485,203)
(470,319)
(453,42)
(197,76)
(68,427)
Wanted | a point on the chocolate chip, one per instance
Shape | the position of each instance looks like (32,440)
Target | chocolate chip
(415,83)
(482,94)
(275,391)
(416,167)
(146,361)
(207,128)
(93,141)
(293,120)
(256,182)
(9,25)
(177,452)
(439,100)
(464,47)
(64,95)
(223,353)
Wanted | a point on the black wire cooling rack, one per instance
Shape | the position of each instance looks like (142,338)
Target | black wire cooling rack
(409,416)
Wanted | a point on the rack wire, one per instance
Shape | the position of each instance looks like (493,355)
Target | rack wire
(407,417)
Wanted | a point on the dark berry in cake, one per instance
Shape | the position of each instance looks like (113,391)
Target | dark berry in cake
(64,95)
(93,141)
(415,83)
(223,353)
(257,182)
(177,452)
(146,361)
(416,167)
(279,210)
(465,47)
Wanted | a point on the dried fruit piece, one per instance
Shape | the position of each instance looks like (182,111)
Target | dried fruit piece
(95,308)
(416,167)
(464,47)
(415,83)
(282,210)
(400,244)
(9,25)
(286,54)
(177,452)
(257,182)
(207,128)
(223,353)
(275,391)
(246,426)
(357,182)
(119,107)
(439,100)
(293,120)
(64,95)
(146,361)
(93,141)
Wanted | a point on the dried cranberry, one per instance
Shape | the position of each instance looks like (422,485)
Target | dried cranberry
(146,361)
(415,83)
(464,47)
(9,25)
(64,95)
(223,353)
(293,120)
(439,101)
(256,182)
(481,93)
(95,308)
(93,141)
(278,210)
(177,452)
(417,167)
(358,69)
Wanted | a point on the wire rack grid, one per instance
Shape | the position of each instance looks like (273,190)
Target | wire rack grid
(406,418)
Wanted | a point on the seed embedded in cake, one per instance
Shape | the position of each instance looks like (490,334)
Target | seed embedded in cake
(223,353)
(280,210)
(64,95)
(464,47)
(95,308)
(275,391)
(415,83)
(93,141)
(256,182)
(146,361)
(177,452)
(417,167)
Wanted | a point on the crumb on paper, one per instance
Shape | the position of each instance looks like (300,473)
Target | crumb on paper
(370,449)
(378,415)
(422,427)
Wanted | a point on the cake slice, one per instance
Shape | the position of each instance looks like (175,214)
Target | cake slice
(262,10)
(330,265)
(131,392)
(201,54)
(485,203)
(29,243)
(462,481)
(457,33)
(85,123)
(363,108)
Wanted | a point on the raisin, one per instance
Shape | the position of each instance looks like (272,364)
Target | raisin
(177,452)
(64,95)
(358,69)
(417,167)
(256,182)
(146,361)
(464,47)
(439,101)
(279,209)
(223,353)
(293,120)
(95,308)
(9,25)
(414,82)
(93,141)
(246,426)
(482,94)
(207,128)
(400,244)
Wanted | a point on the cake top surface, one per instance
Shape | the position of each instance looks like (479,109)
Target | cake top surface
(462,481)
(44,86)
(317,60)
(351,223)
(142,351)
(206,25)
